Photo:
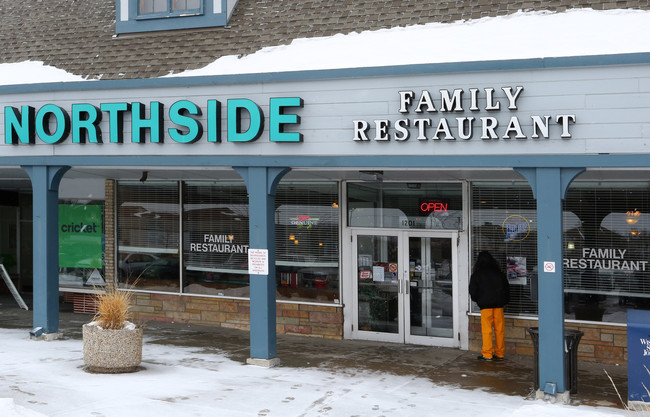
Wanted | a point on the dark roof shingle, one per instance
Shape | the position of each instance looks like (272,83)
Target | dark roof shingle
(79,35)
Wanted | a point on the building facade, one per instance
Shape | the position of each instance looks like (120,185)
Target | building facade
(344,204)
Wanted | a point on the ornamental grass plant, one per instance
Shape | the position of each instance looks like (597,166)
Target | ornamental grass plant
(640,408)
(111,343)
(113,308)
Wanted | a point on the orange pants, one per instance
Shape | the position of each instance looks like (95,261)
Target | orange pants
(493,317)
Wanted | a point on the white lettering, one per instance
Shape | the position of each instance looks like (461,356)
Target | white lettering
(489,100)
(422,124)
(473,99)
(609,259)
(489,125)
(453,103)
(565,119)
(425,99)
(401,126)
(541,125)
(512,98)
(381,130)
(514,127)
(465,127)
(405,100)
(443,127)
(360,129)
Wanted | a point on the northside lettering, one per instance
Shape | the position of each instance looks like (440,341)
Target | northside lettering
(465,127)
(52,124)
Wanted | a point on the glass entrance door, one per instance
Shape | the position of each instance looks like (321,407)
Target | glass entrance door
(379,285)
(405,287)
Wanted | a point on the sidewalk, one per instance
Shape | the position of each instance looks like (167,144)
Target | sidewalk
(441,366)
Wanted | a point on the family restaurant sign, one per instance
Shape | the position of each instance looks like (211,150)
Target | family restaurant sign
(452,115)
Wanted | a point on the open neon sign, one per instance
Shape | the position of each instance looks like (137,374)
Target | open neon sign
(429,206)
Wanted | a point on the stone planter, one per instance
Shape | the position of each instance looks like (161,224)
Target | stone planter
(111,351)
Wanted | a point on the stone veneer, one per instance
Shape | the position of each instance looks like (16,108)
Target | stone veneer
(291,318)
(110,226)
(601,343)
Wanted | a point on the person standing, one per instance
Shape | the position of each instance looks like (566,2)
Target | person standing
(489,288)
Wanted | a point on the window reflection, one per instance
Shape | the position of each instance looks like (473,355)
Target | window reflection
(215,238)
(606,260)
(148,235)
(606,237)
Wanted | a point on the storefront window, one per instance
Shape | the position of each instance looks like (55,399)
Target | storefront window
(606,238)
(606,247)
(504,219)
(81,244)
(307,241)
(148,235)
(215,238)
(405,205)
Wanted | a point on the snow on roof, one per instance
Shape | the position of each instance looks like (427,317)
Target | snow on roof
(576,32)
(31,72)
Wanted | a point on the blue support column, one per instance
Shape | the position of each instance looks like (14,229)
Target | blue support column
(549,188)
(45,189)
(261,183)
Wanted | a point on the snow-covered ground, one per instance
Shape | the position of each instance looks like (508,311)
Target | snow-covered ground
(40,378)
(576,32)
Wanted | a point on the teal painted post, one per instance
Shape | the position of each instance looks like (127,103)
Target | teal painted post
(261,183)
(45,189)
(549,187)
(550,285)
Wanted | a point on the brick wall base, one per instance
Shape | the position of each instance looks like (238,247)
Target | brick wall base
(600,343)
(304,319)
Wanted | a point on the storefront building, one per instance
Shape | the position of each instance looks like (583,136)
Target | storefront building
(345,204)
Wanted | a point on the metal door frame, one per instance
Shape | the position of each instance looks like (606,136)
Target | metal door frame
(403,336)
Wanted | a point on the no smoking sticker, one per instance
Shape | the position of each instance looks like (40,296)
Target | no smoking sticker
(549,266)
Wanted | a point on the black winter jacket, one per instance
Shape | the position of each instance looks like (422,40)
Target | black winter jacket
(488,286)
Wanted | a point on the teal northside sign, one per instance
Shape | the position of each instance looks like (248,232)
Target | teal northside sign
(82,123)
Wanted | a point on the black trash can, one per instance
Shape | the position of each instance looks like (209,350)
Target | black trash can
(571,341)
